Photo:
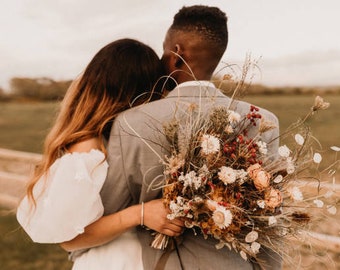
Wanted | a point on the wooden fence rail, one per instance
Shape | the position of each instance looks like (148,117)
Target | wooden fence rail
(16,166)
(15,169)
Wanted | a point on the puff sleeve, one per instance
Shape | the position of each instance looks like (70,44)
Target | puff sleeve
(67,198)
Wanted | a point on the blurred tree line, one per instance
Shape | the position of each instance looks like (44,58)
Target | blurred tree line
(43,88)
(47,89)
(228,87)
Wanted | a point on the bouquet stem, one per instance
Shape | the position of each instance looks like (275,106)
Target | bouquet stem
(160,241)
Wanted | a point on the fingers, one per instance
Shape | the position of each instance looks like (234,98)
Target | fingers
(178,222)
(155,217)
(175,228)
(171,232)
(172,227)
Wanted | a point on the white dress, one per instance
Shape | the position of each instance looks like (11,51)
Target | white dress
(67,200)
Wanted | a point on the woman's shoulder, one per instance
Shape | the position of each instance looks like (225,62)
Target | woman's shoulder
(88,152)
(85,146)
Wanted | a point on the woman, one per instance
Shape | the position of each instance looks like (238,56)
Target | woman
(63,204)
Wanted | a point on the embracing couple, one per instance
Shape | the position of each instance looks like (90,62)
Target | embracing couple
(93,192)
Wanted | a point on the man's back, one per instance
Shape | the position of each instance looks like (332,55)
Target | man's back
(136,148)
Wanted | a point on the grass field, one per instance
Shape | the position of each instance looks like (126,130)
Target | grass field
(19,253)
(24,125)
(324,124)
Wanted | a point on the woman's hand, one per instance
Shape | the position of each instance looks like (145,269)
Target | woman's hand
(155,218)
(109,227)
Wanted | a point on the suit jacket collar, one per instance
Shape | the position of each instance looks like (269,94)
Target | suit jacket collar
(195,89)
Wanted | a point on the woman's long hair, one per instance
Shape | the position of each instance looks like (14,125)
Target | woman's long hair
(122,74)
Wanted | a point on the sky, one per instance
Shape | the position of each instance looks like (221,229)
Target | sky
(295,42)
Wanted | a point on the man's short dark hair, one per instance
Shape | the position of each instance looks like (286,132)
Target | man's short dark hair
(209,22)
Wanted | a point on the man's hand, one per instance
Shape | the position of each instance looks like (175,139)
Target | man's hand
(155,218)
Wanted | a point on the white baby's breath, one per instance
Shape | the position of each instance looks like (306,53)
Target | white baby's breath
(178,208)
(227,175)
(190,180)
(262,147)
(241,175)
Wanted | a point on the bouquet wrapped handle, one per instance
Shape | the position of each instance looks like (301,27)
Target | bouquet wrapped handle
(160,241)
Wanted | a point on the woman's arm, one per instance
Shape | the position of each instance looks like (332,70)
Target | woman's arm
(108,227)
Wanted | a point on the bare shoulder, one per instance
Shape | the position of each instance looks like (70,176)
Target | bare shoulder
(85,146)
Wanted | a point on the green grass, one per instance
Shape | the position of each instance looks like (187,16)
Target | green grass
(18,252)
(24,125)
(324,124)
(289,108)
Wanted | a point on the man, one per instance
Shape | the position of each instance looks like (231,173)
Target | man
(193,47)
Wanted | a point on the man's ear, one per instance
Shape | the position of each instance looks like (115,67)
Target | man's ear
(178,56)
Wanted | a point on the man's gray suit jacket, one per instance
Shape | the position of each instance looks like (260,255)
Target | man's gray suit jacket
(135,149)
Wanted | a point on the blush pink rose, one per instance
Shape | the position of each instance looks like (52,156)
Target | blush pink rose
(260,177)
(273,198)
